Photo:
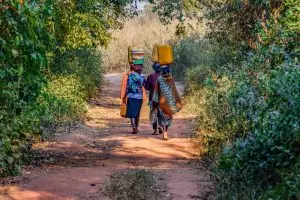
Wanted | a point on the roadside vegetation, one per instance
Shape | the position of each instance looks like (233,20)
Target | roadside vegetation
(49,67)
(243,81)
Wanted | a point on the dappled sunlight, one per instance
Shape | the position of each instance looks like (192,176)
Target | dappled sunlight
(19,193)
(155,148)
(77,181)
(91,151)
(64,147)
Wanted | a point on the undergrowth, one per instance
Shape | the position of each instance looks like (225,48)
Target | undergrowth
(131,184)
(246,95)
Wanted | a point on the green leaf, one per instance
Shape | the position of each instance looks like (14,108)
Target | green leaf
(10,160)
(15,53)
(20,70)
(34,56)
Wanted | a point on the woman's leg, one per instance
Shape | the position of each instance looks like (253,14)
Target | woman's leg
(154,126)
(165,131)
(160,131)
(137,118)
(133,111)
(133,125)
(154,119)
(137,121)
(164,122)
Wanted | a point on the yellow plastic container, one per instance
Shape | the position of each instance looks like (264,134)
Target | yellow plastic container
(129,54)
(165,54)
(155,53)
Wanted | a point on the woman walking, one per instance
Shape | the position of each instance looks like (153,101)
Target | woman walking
(150,85)
(166,99)
(133,93)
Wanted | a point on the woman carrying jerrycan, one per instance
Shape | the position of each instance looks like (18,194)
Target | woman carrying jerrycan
(164,99)
(133,94)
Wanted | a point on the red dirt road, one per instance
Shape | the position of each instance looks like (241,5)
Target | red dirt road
(77,162)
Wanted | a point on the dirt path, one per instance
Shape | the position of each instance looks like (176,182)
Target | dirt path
(77,162)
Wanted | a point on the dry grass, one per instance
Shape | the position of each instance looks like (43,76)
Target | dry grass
(142,31)
(132,184)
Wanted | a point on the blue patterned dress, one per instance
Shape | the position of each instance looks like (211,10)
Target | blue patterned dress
(134,93)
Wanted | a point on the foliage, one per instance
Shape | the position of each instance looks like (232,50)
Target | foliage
(85,23)
(70,91)
(49,66)
(207,97)
(85,64)
(271,147)
(246,97)
(186,55)
(193,51)
(179,11)
(22,66)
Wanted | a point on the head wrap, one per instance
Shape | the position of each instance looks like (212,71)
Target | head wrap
(156,67)
(165,69)
(138,61)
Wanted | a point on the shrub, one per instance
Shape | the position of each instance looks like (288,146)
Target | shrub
(196,50)
(246,97)
(207,97)
(62,101)
(85,64)
(271,149)
(28,105)
(23,48)
(48,66)
(71,94)
(134,184)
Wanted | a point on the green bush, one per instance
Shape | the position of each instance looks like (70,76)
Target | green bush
(249,123)
(84,63)
(34,95)
(71,94)
(247,100)
(64,100)
(207,97)
(198,51)
(23,61)
(271,149)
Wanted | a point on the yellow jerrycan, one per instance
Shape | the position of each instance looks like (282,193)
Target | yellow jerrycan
(165,54)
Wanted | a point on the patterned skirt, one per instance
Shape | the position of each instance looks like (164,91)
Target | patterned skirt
(157,116)
(164,120)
